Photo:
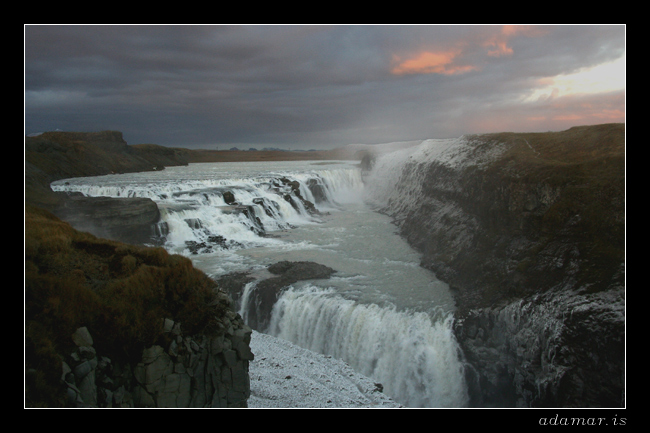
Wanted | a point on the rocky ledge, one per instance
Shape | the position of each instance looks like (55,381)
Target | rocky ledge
(266,291)
(130,219)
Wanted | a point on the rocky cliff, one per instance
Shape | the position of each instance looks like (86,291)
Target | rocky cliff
(529,231)
(111,324)
(189,372)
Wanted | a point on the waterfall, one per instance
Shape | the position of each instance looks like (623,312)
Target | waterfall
(394,185)
(210,210)
(238,217)
(413,355)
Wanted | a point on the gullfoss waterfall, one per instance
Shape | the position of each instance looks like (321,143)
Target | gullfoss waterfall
(380,312)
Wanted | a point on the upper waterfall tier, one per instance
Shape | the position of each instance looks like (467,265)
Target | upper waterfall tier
(221,205)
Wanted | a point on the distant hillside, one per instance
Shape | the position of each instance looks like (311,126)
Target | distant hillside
(200,155)
(70,154)
(58,155)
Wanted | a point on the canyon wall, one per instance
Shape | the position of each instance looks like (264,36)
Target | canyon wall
(529,232)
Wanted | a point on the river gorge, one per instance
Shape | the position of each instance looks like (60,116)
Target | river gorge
(480,271)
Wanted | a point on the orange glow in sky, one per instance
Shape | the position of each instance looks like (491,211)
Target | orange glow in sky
(447,62)
(429,62)
(499,42)
(588,95)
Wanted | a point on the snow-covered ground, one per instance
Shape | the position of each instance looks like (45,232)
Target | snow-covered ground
(284,375)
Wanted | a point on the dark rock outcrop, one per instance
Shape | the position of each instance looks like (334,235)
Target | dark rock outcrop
(164,334)
(124,219)
(555,349)
(266,292)
(200,371)
(234,283)
(317,190)
(529,232)
(290,272)
(58,155)
(290,190)
(229,197)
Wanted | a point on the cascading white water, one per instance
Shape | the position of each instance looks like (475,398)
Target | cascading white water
(399,172)
(194,208)
(380,312)
(413,354)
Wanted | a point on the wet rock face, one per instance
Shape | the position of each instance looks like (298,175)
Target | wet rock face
(266,292)
(189,371)
(519,274)
(129,220)
(495,237)
(531,354)
(318,190)
(533,248)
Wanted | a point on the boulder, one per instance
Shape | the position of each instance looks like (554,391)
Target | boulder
(229,197)
(266,292)
(81,337)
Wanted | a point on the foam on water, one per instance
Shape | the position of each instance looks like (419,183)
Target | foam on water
(194,208)
(413,354)
(380,312)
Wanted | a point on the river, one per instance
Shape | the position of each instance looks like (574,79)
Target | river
(382,313)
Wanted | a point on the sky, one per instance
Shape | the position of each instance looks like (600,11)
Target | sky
(319,86)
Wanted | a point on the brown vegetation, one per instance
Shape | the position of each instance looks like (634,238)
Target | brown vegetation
(121,293)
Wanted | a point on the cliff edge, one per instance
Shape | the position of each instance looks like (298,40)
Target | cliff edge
(528,229)
(109,324)
(113,324)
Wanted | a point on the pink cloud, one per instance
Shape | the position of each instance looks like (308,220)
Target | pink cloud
(450,61)
(547,115)
(429,62)
(499,42)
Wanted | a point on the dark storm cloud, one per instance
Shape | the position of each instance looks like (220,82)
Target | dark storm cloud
(289,86)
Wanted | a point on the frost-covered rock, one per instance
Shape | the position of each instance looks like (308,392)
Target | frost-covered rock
(284,375)
(529,232)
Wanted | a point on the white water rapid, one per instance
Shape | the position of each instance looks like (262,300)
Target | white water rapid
(380,312)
